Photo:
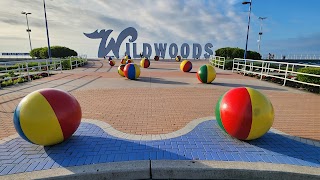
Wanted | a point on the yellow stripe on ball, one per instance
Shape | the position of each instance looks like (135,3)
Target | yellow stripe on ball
(262,114)
(211,73)
(38,131)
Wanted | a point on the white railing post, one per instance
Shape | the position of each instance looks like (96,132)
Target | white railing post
(19,69)
(268,68)
(224,62)
(70,64)
(292,68)
(233,65)
(285,75)
(261,70)
(28,71)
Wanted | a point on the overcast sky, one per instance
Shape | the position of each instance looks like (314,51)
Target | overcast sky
(220,22)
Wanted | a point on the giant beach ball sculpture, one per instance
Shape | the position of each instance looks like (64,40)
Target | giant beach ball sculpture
(47,116)
(178,58)
(186,66)
(112,62)
(206,74)
(120,70)
(123,61)
(244,113)
(145,63)
(129,61)
(131,71)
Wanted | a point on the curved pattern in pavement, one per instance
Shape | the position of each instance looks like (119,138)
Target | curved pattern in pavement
(92,145)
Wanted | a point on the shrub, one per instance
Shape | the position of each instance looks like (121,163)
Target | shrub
(65,64)
(11,74)
(228,64)
(309,79)
(231,53)
(56,52)
(35,53)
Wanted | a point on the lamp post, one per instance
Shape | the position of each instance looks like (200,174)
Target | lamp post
(28,30)
(260,33)
(45,16)
(247,2)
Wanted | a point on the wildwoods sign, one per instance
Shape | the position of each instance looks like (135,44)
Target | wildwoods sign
(159,48)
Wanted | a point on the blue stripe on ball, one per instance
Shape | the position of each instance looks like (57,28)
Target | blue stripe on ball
(132,72)
(16,122)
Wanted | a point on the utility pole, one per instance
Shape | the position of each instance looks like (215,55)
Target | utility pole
(28,30)
(260,33)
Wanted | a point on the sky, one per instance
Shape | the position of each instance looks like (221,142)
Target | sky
(291,26)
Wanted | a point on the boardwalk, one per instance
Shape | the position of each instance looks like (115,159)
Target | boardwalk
(164,100)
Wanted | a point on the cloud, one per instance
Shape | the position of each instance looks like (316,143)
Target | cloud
(193,21)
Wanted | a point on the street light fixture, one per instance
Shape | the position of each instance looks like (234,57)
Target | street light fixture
(28,30)
(45,16)
(247,2)
(260,33)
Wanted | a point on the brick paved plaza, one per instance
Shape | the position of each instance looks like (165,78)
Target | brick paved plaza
(165,114)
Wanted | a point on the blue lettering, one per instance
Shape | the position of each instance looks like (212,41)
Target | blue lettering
(185,50)
(161,49)
(173,52)
(208,50)
(147,50)
(197,50)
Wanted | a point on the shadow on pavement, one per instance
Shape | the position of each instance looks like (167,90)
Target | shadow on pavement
(159,80)
(283,145)
(246,85)
(169,69)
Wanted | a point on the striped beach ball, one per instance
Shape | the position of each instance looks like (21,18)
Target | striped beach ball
(145,63)
(112,62)
(244,113)
(186,66)
(206,74)
(123,61)
(178,58)
(129,61)
(131,71)
(47,116)
(120,70)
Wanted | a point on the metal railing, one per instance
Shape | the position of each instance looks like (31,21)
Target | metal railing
(279,70)
(217,61)
(22,71)
(293,56)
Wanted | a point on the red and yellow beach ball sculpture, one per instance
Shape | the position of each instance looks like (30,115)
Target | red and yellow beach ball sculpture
(123,61)
(131,71)
(178,58)
(47,116)
(244,113)
(129,61)
(186,66)
(120,70)
(112,62)
(145,62)
(206,74)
